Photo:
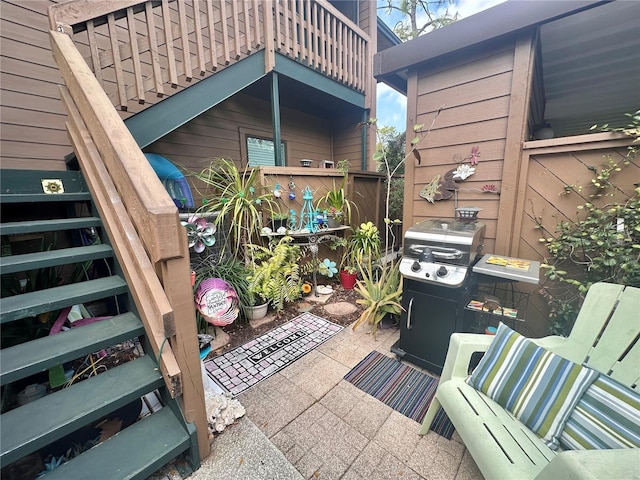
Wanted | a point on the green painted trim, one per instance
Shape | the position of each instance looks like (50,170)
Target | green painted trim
(275,119)
(308,76)
(164,117)
(365,125)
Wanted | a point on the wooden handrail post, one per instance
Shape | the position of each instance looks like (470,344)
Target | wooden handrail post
(185,344)
(270,40)
(141,221)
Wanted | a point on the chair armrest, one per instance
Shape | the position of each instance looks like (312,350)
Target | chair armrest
(461,347)
(593,465)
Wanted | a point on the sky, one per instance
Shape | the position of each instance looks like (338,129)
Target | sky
(391,105)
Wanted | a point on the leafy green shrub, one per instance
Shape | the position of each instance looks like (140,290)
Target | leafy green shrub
(603,246)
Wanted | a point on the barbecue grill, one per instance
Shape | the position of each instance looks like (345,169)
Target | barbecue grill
(437,262)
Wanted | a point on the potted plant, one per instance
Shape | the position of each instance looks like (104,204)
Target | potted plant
(348,277)
(279,220)
(275,272)
(364,244)
(335,201)
(381,292)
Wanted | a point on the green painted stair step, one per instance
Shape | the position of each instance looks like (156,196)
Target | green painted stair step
(52,258)
(54,225)
(29,358)
(33,303)
(134,453)
(30,427)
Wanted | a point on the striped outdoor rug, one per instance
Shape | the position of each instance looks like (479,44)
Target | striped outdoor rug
(400,386)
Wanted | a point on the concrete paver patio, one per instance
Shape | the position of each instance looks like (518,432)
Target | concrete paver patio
(328,429)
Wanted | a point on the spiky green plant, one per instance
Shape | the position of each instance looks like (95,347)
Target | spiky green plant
(238,198)
(381,292)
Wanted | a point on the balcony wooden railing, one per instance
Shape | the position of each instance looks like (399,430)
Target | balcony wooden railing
(142,51)
(143,227)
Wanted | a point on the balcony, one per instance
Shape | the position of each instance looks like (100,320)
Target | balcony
(144,52)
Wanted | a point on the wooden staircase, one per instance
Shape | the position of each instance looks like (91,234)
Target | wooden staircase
(30,430)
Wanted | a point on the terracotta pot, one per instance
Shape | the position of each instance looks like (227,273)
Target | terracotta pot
(348,280)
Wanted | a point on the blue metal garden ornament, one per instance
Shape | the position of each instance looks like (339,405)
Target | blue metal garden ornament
(307,214)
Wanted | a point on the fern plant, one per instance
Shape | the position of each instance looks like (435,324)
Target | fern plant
(275,274)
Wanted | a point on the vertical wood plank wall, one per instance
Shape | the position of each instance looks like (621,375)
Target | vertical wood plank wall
(548,166)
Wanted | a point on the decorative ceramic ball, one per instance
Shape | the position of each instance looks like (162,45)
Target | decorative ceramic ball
(217,301)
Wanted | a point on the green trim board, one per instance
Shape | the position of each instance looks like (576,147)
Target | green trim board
(275,119)
(176,110)
(308,76)
(363,138)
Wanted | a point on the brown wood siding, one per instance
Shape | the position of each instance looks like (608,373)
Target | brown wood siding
(474,97)
(347,140)
(220,132)
(32,117)
(32,129)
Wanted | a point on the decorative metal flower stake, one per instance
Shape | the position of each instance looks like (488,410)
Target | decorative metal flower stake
(200,233)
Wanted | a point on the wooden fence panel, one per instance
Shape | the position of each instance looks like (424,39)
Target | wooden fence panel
(555,180)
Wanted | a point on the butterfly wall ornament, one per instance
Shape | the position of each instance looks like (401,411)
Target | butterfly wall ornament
(428,192)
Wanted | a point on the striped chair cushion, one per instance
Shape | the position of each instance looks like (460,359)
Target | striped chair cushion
(539,387)
(607,416)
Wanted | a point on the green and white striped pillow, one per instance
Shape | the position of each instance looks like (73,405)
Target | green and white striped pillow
(607,416)
(539,387)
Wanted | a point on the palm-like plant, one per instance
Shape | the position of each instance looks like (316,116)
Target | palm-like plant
(381,292)
(238,199)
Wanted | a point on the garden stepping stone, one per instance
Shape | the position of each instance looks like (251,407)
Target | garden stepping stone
(340,309)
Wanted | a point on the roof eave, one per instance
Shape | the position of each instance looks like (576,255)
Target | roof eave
(503,19)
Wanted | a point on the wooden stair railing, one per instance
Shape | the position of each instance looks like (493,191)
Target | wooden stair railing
(144,228)
(143,51)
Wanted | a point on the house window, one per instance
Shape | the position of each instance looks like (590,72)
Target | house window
(260,152)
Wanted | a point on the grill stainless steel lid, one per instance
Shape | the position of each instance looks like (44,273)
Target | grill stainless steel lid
(441,251)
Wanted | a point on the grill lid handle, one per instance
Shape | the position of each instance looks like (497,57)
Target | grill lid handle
(427,253)
(450,254)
